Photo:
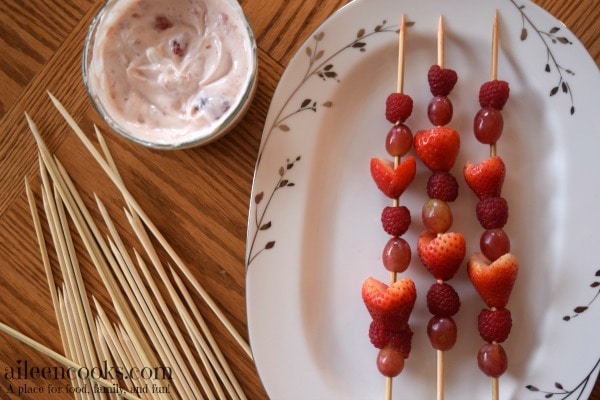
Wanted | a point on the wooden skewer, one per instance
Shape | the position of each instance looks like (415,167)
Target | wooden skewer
(440,374)
(494,149)
(399,89)
(396,202)
(440,42)
(401,41)
(439,353)
(494,74)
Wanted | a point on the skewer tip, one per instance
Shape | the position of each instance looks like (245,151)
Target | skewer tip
(440,42)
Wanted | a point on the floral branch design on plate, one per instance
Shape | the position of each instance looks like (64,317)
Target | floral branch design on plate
(319,66)
(559,389)
(554,36)
(259,220)
(579,309)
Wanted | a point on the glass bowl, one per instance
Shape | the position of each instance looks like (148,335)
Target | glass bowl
(170,75)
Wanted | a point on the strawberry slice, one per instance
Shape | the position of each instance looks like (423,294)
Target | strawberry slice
(442,254)
(437,147)
(393,181)
(486,178)
(390,305)
(493,281)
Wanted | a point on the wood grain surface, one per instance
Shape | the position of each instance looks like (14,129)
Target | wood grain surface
(198,198)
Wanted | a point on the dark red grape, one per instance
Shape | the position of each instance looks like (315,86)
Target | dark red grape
(439,110)
(488,125)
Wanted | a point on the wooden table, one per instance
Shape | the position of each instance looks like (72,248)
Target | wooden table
(198,198)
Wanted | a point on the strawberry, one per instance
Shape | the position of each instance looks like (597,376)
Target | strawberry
(492,212)
(441,253)
(494,94)
(485,178)
(494,325)
(391,305)
(381,337)
(442,300)
(493,281)
(441,80)
(442,185)
(398,107)
(393,182)
(395,220)
(437,147)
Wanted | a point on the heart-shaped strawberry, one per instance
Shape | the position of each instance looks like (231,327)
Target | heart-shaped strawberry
(391,305)
(441,80)
(486,178)
(437,147)
(393,181)
(442,254)
(493,281)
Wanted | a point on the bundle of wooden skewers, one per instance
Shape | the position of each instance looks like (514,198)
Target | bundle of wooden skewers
(156,344)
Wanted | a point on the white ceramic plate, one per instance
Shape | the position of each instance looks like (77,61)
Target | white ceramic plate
(314,233)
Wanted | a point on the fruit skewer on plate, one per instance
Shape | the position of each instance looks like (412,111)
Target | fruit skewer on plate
(440,250)
(493,271)
(390,305)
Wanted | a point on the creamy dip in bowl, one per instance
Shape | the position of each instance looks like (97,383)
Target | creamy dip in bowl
(170,74)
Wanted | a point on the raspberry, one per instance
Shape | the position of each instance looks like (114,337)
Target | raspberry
(162,23)
(395,220)
(442,185)
(494,94)
(494,325)
(492,212)
(177,49)
(441,80)
(442,300)
(381,337)
(398,107)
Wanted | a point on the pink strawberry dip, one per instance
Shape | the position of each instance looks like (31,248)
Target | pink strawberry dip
(168,73)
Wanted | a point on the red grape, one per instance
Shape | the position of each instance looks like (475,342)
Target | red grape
(494,243)
(436,215)
(439,110)
(488,125)
(492,360)
(390,361)
(396,255)
(442,333)
(399,140)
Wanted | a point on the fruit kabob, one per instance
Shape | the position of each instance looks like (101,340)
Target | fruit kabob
(440,250)
(390,305)
(493,271)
